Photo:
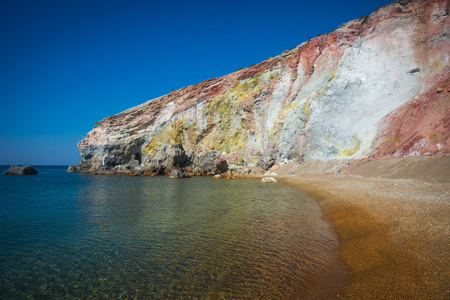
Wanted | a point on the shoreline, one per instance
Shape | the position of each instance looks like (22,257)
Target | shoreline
(391,218)
(392,225)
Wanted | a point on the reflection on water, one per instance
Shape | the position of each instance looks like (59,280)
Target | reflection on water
(151,237)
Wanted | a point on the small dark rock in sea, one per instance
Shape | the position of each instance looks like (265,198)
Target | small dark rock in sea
(21,170)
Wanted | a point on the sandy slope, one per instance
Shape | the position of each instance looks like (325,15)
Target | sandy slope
(393,220)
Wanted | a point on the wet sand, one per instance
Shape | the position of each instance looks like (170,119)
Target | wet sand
(392,217)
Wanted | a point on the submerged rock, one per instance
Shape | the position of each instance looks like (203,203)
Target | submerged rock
(21,170)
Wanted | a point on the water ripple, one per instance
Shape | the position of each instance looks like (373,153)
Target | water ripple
(85,236)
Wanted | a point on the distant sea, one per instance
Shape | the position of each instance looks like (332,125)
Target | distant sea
(74,235)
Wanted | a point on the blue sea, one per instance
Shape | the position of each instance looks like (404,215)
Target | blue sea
(79,236)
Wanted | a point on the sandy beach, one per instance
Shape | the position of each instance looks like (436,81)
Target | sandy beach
(392,219)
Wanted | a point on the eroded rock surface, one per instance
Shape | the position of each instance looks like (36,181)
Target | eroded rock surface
(167,158)
(377,86)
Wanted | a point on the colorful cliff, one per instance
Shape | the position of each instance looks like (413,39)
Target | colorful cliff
(377,86)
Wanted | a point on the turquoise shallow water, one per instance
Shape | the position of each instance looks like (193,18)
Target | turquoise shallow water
(70,235)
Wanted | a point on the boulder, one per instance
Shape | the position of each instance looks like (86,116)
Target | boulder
(21,170)
(168,157)
(135,162)
(210,162)
(268,159)
(178,174)
(272,159)
(175,174)
(221,165)
(266,162)
(185,175)
(269,180)
(238,170)
(73,169)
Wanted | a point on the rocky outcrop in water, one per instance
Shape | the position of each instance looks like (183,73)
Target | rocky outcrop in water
(21,170)
(377,86)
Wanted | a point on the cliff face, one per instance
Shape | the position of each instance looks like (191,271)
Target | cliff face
(377,86)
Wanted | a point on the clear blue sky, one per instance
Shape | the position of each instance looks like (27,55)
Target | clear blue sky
(66,64)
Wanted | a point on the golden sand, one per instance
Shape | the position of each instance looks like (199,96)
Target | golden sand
(393,221)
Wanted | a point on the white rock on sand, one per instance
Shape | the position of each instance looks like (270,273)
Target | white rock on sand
(269,180)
